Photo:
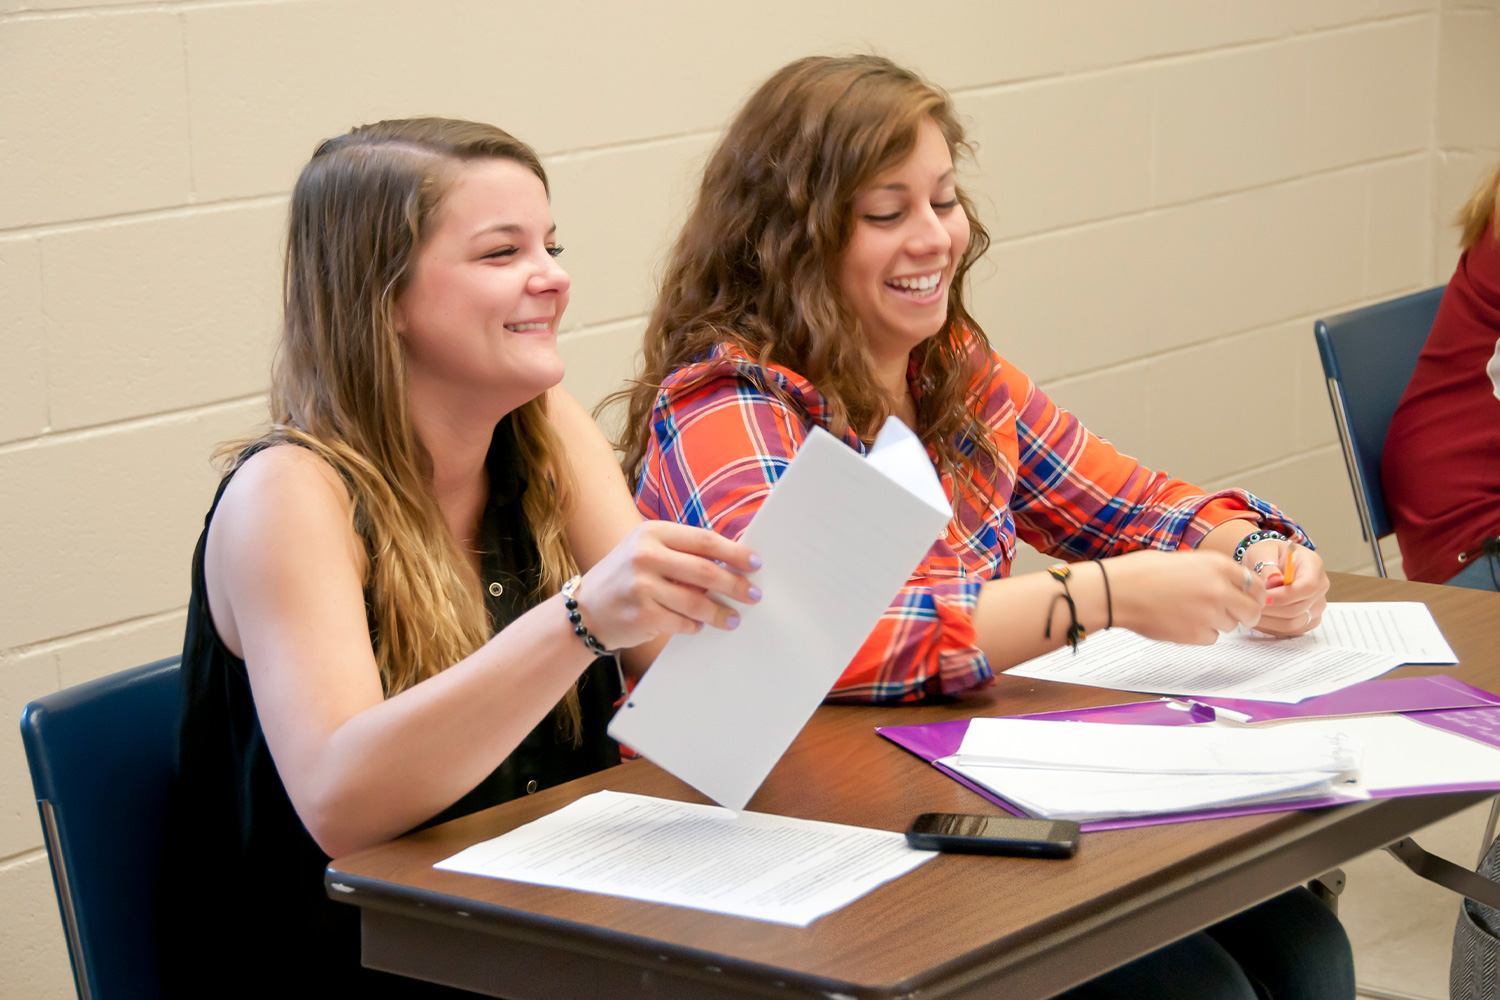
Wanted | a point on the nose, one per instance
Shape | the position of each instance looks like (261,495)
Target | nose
(927,234)
(549,277)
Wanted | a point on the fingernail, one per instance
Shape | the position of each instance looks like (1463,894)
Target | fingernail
(754,561)
(732,622)
(754,593)
(1268,598)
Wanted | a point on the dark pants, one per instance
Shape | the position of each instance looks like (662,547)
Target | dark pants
(1288,948)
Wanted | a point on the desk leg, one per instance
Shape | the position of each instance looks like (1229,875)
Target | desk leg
(1328,887)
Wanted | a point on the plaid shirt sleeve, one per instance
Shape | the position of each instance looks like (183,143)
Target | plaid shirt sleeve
(1079,498)
(717,449)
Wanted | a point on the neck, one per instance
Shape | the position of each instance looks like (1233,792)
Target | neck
(456,436)
(891,374)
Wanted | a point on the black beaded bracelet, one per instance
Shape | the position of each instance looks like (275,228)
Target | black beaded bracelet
(570,601)
(1252,538)
(1075,634)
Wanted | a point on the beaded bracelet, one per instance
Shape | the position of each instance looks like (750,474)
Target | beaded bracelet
(1075,634)
(570,601)
(1252,538)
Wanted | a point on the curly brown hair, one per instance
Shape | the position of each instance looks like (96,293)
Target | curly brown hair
(757,262)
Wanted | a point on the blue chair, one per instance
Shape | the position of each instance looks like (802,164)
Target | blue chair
(101,762)
(1368,357)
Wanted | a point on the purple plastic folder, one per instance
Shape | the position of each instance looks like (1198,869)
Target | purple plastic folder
(1437,700)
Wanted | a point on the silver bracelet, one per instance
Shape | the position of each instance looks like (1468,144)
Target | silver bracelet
(570,601)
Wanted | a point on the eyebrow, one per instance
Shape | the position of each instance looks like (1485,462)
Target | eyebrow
(898,186)
(509,228)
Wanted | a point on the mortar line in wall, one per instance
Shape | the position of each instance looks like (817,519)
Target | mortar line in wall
(133,422)
(1150,210)
(272,199)
(125,9)
(187,98)
(597,326)
(1433,226)
(1235,475)
(29,854)
(1185,55)
(1227,335)
(585,153)
(55,642)
(145,215)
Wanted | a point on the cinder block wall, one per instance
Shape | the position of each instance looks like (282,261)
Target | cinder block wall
(1176,189)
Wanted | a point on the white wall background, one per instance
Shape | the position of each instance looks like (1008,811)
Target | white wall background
(1177,189)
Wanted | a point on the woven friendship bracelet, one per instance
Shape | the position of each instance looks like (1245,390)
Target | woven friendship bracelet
(1109,601)
(570,601)
(1252,538)
(1075,634)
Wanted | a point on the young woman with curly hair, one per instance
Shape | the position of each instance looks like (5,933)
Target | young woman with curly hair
(819,281)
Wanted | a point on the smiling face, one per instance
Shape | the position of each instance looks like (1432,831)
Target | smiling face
(909,234)
(480,313)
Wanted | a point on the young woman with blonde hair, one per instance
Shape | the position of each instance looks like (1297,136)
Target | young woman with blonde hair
(819,281)
(1441,465)
(376,638)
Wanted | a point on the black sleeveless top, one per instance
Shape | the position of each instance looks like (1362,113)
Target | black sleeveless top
(245,910)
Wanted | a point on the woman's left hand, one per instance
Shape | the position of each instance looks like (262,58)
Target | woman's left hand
(1291,608)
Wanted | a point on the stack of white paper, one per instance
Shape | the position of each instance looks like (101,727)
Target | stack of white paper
(1087,771)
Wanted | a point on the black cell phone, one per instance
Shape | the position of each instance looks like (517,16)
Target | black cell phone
(1029,838)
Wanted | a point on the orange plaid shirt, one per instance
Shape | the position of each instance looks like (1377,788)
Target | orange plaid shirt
(721,439)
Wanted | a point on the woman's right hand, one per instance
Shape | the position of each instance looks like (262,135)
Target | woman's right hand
(1187,596)
(657,582)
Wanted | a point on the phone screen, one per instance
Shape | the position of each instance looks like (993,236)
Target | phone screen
(993,834)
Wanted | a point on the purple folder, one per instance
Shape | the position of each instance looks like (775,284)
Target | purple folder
(1437,700)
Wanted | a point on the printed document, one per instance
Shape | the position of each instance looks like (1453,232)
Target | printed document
(838,536)
(791,871)
(1355,642)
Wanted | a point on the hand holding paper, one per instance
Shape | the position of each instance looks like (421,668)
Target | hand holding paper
(838,536)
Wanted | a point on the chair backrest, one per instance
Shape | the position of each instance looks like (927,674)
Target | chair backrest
(1368,357)
(101,763)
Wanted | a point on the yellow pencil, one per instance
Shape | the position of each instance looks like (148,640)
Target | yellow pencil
(1290,571)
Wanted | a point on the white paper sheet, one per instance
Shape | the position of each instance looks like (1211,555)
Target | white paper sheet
(1101,746)
(745,864)
(838,536)
(1405,629)
(1237,666)
(1082,796)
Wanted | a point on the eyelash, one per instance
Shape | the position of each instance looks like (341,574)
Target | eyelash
(504,252)
(942,206)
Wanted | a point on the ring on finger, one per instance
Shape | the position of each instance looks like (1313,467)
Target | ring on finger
(1309,616)
(1260,565)
(1249,580)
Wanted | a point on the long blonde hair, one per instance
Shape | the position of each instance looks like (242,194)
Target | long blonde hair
(360,213)
(1477,212)
(756,263)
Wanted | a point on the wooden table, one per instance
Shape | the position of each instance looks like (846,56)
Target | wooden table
(958,926)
